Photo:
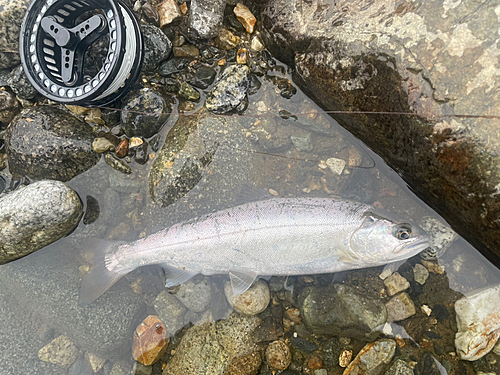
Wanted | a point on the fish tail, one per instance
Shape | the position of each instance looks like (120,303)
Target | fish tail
(99,278)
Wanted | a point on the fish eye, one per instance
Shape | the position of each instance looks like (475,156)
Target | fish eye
(403,232)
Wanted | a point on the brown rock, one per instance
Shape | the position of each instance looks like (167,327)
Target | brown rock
(278,355)
(186,50)
(227,40)
(122,148)
(168,11)
(246,17)
(245,365)
(242,56)
(150,341)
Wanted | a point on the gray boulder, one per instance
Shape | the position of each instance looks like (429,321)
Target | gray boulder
(205,19)
(36,215)
(11,14)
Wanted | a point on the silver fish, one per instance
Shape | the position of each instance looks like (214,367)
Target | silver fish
(278,236)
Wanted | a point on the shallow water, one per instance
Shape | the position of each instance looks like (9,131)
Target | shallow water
(37,288)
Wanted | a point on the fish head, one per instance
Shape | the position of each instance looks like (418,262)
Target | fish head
(381,240)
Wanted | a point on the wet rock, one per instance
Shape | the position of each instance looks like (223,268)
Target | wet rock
(205,19)
(256,44)
(478,323)
(246,17)
(19,83)
(245,365)
(141,369)
(373,359)
(95,362)
(242,56)
(302,143)
(336,165)
(203,78)
(61,351)
(122,148)
(135,142)
(150,341)
(442,236)
(209,348)
(278,355)
(151,14)
(51,296)
(80,367)
(101,145)
(117,164)
(420,274)
(9,107)
(399,308)
(187,50)
(144,113)
(395,284)
(141,154)
(253,301)
(11,14)
(400,367)
(427,365)
(170,311)
(340,309)
(195,294)
(174,65)
(120,368)
(157,47)
(230,90)
(188,92)
(46,142)
(168,11)
(227,40)
(36,215)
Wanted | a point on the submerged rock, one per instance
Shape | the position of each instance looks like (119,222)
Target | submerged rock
(195,293)
(251,302)
(340,309)
(373,359)
(478,323)
(230,90)
(170,311)
(399,308)
(278,355)
(60,351)
(47,142)
(150,341)
(34,216)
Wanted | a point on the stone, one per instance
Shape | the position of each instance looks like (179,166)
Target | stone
(442,236)
(101,145)
(120,368)
(478,323)
(122,148)
(60,351)
(144,112)
(188,92)
(336,165)
(420,274)
(141,369)
(256,44)
(203,78)
(157,47)
(230,90)
(278,355)
(373,359)
(80,367)
(150,341)
(340,309)
(170,311)
(395,284)
(246,17)
(245,365)
(302,143)
(151,14)
(11,14)
(45,142)
(195,293)
(187,50)
(451,160)
(210,347)
(19,83)
(117,164)
(95,362)
(9,107)
(433,267)
(173,65)
(253,301)
(399,308)
(168,11)
(400,367)
(205,19)
(227,40)
(34,216)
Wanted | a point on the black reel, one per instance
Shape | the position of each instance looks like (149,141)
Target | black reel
(82,52)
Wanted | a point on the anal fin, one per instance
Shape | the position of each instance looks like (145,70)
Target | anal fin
(241,281)
(176,276)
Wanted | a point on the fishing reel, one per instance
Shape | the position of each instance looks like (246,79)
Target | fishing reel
(81,52)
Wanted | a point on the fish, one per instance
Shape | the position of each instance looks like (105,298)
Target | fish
(274,236)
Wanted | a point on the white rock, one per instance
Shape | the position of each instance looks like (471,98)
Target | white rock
(387,271)
(478,323)
(399,308)
(420,273)
(336,165)
(396,283)
(253,301)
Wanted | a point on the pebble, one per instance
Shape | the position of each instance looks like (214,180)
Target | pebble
(188,92)
(253,301)
(478,323)
(206,18)
(373,359)
(168,11)
(135,142)
(117,164)
(101,145)
(172,66)
(355,158)
(19,83)
(150,342)
(122,148)
(60,351)
(230,90)
(170,311)
(396,283)
(94,117)
(242,56)
(36,215)
(227,40)
(195,294)
(302,143)
(187,50)
(157,47)
(433,267)
(246,17)
(245,365)
(95,362)
(204,77)
(336,165)
(400,367)
(151,13)
(278,355)
(256,44)
(399,308)
(420,274)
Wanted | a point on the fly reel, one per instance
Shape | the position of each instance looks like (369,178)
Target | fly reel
(84,52)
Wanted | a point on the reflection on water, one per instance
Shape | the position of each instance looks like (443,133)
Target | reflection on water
(306,155)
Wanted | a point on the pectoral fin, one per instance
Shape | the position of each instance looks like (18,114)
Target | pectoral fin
(241,281)
(176,276)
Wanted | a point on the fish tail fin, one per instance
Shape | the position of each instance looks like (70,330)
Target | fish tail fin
(99,278)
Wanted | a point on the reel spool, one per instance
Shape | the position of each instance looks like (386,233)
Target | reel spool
(58,38)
